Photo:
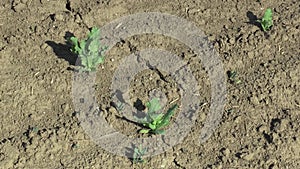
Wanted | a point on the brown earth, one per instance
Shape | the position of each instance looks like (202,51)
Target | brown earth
(259,129)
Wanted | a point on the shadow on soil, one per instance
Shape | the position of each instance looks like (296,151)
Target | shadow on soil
(129,152)
(63,50)
(135,154)
(253,19)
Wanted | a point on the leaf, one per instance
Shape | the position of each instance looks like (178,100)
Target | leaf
(268,15)
(75,48)
(143,121)
(95,32)
(232,74)
(266,22)
(144,131)
(142,150)
(159,131)
(155,121)
(152,126)
(153,106)
(156,117)
(90,50)
(134,156)
(94,41)
(166,119)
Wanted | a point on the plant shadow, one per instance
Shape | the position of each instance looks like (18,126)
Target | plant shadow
(138,104)
(63,50)
(133,156)
(129,151)
(253,19)
(129,121)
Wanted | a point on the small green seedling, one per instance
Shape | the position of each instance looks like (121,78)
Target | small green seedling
(138,154)
(233,77)
(266,22)
(120,106)
(156,121)
(89,51)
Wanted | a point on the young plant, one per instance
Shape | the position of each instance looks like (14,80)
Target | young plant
(233,77)
(266,22)
(89,51)
(156,121)
(138,154)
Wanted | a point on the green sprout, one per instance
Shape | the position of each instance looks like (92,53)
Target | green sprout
(138,154)
(89,51)
(233,77)
(266,22)
(156,121)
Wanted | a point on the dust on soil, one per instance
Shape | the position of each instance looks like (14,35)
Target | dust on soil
(259,129)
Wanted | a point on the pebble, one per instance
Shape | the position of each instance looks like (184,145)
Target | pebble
(232,40)
(262,129)
(232,19)
(202,117)
(65,107)
(254,29)
(248,157)
(285,37)
(77,19)
(59,17)
(250,54)
(226,152)
(194,10)
(283,125)
(19,7)
(238,119)
(254,100)
(46,47)
(112,110)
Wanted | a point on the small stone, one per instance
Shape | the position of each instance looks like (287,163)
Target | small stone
(61,131)
(238,119)
(65,107)
(166,162)
(226,152)
(112,110)
(262,129)
(275,136)
(232,41)
(59,17)
(202,117)
(217,166)
(19,7)
(211,38)
(254,28)
(77,19)
(285,37)
(250,54)
(248,157)
(46,47)
(283,125)
(201,22)
(194,10)
(232,19)
(254,100)
(24,1)
(51,156)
